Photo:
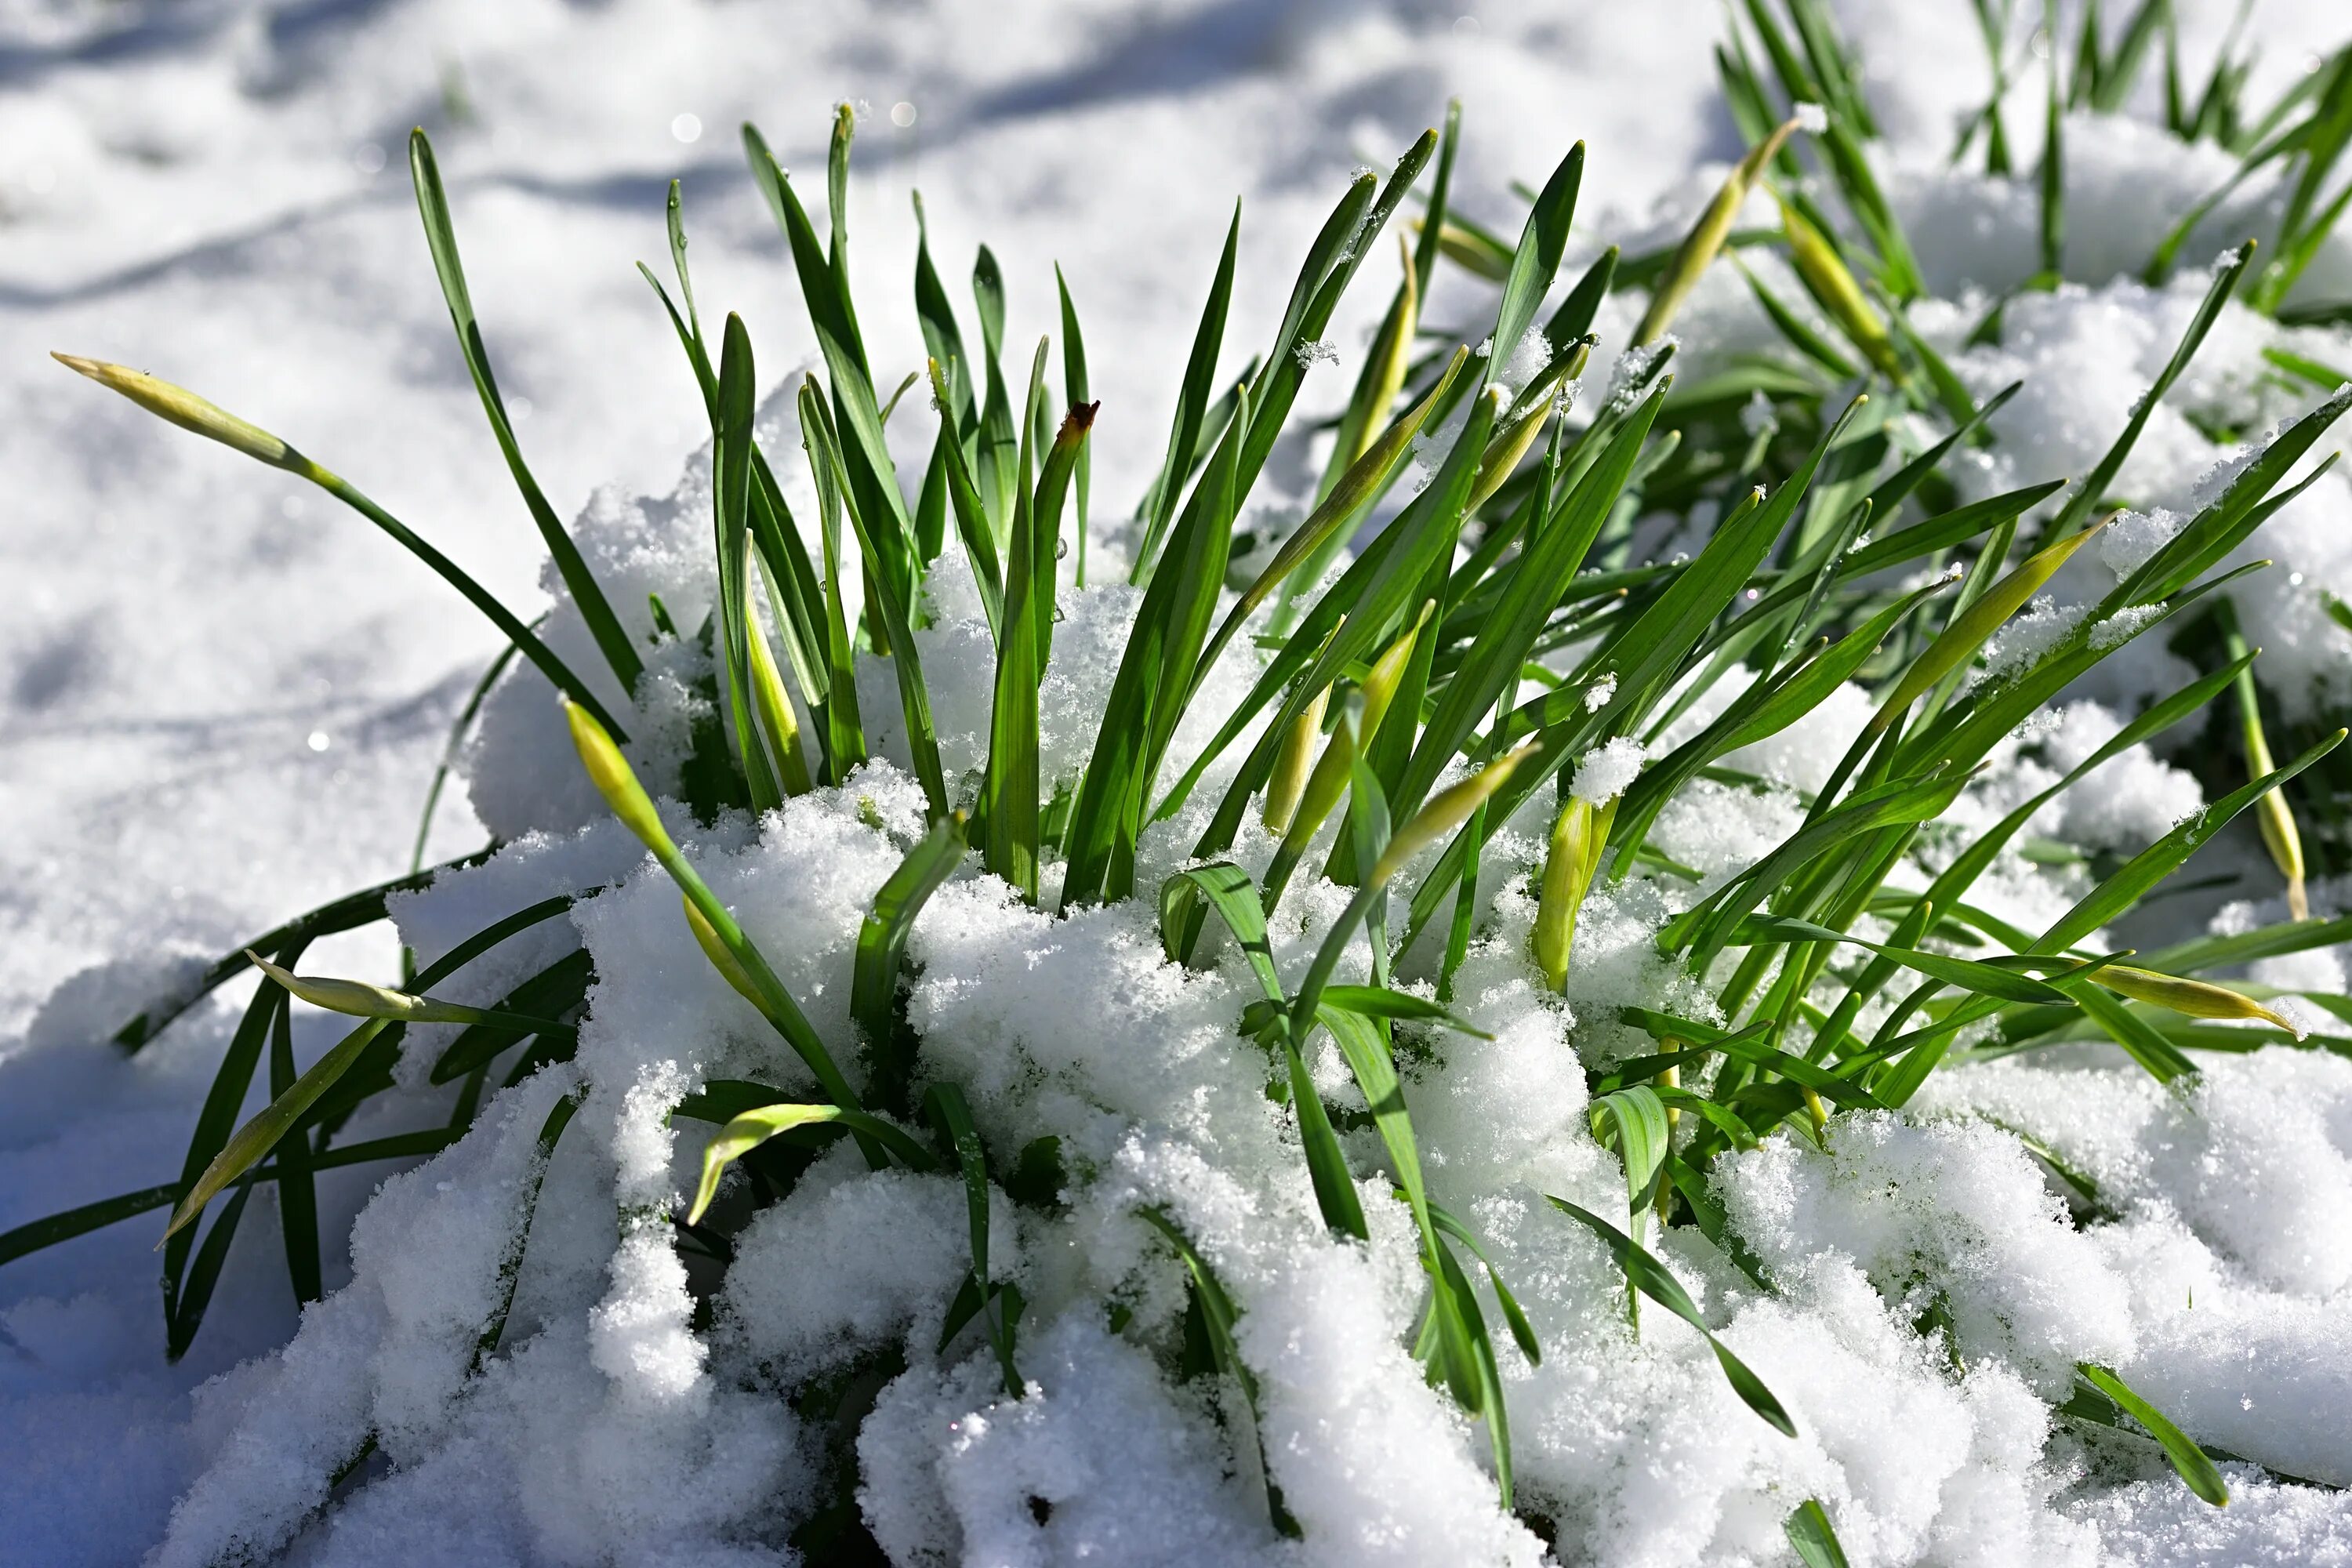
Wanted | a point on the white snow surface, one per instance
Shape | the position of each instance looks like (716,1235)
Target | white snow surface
(225,696)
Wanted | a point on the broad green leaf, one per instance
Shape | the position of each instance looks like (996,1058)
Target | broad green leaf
(1230,892)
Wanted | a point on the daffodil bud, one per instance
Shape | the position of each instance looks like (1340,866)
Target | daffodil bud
(2192,998)
(188,411)
(1707,236)
(358,999)
(1447,811)
(1292,762)
(1577,837)
(617,783)
(1826,275)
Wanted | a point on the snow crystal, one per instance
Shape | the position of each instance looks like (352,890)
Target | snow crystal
(1603,772)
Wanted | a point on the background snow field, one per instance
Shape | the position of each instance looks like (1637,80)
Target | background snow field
(1089,1236)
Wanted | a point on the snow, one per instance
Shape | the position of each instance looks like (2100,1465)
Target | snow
(225,696)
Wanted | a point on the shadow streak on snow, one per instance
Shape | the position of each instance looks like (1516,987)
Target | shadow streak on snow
(1153,59)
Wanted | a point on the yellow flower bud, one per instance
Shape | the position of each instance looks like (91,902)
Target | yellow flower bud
(188,411)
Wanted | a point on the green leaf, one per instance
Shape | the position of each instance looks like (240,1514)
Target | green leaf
(2094,489)
(824,287)
(1155,671)
(1535,261)
(2187,1457)
(2141,1040)
(845,741)
(886,592)
(730,463)
(754,1127)
(1533,588)
(258,1136)
(1653,1280)
(1643,1136)
(1074,389)
(2139,876)
(946,1103)
(1809,1531)
(1192,404)
(1969,973)
(2213,532)
(882,946)
(1234,897)
(550,1132)
(1217,1312)
(1379,1001)
(440,235)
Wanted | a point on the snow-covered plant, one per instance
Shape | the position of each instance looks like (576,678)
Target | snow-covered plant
(990,1032)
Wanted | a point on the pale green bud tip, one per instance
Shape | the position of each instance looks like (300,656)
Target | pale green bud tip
(353,998)
(610,773)
(706,937)
(1448,810)
(184,408)
(2193,998)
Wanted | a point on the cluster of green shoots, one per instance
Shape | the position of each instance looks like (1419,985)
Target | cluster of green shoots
(1418,696)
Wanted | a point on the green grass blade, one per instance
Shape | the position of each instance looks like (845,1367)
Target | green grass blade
(1574,317)
(1217,1312)
(440,235)
(1192,404)
(845,741)
(971,510)
(825,287)
(881,951)
(1230,892)
(1654,1279)
(1536,261)
(1810,1535)
(2141,1040)
(297,1196)
(2139,876)
(2189,1460)
(258,1136)
(189,411)
(2213,532)
(1532,590)
(545,998)
(947,1107)
(885,596)
(731,461)
(550,1132)
(1075,392)
(203,1273)
(1065,461)
(2093,489)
